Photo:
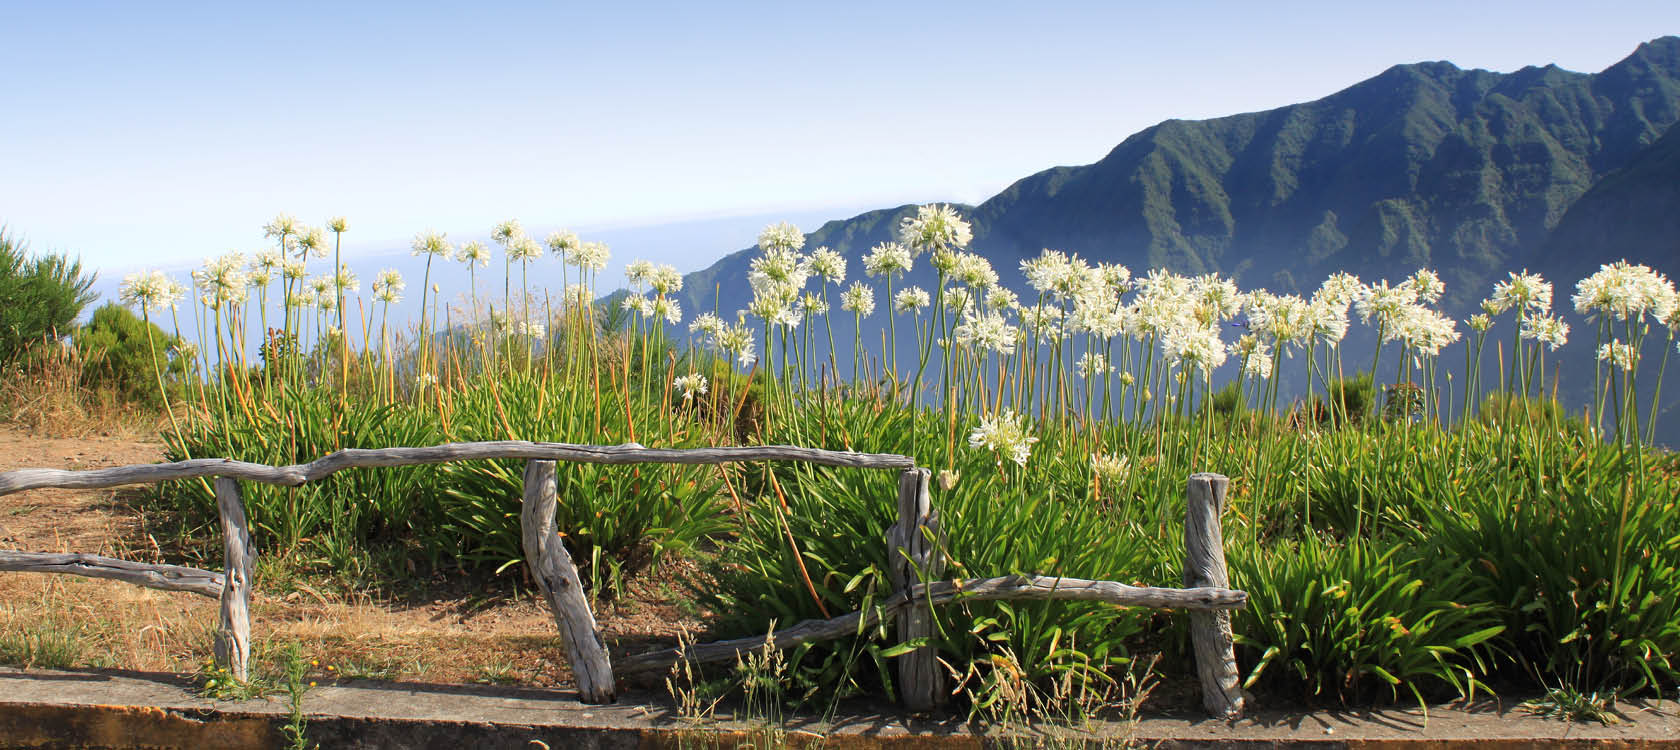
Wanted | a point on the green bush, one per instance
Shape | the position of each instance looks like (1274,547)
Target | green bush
(41,296)
(118,354)
(1355,622)
(1349,400)
(1513,410)
(1585,565)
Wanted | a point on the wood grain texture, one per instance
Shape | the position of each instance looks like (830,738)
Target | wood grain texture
(945,592)
(233,636)
(296,474)
(915,555)
(166,577)
(551,565)
(1204,566)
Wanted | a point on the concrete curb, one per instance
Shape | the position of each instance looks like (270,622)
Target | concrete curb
(41,710)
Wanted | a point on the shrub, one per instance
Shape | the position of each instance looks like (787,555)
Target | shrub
(1352,622)
(118,354)
(41,296)
(1349,400)
(1585,566)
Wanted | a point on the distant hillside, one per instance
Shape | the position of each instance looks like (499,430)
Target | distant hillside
(1633,211)
(1466,171)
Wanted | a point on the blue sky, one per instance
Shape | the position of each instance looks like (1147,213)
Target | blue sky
(159,134)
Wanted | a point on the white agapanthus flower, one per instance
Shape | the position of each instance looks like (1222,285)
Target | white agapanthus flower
(1000,299)
(1422,329)
(264,263)
(1619,355)
(934,227)
(564,244)
(1526,292)
(1427,285)
(887,259)
(388,286)
(691,385)
(1385,303)
(665,279)
(1625,291)
(638,304)
(1214,299)
(1193,345)
(737,341)
(858,299)
(507,232)
(1328,321)
(151,290)
(284,225)
(1005,434)
(1110,468)
(592,256)
(1092,365)
(706,324)
(1480,322)
(957,299)
(534,329)
(1117,278)
(431,243)
(1545,329)
(1286,319)
(638,272)
(345,280)
(913,299)
(311,241)
(988,331)
(222,279)
(292,269)
(973,270)
(828,265)
(811,303)
(667,309)
(474,252)
(523,249)
(781,236)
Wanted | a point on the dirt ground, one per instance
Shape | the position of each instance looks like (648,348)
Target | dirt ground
(454,638)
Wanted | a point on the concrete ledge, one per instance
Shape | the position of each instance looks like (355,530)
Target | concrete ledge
(108,709)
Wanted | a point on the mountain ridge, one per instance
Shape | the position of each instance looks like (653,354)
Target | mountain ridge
(1424,164)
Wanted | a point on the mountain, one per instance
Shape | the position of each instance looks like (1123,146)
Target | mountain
(1633,210)
(1469,172)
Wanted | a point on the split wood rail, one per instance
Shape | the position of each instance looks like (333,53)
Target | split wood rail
(916,541)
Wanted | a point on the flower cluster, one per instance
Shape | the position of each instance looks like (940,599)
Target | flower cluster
(691,385)
(1005,434)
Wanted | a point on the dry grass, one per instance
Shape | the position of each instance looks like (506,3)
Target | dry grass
(45,395)
(483,635)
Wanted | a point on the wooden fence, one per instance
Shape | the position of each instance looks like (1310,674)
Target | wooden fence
(916,541)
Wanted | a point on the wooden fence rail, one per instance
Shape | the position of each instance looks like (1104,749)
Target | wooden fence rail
(916,543)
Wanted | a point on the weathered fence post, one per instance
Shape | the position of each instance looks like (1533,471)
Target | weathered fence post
(1204,565)
(233,638)
(557,576)
(914,544)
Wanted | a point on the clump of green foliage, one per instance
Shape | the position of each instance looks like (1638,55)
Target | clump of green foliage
(117,354)
(42,295)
